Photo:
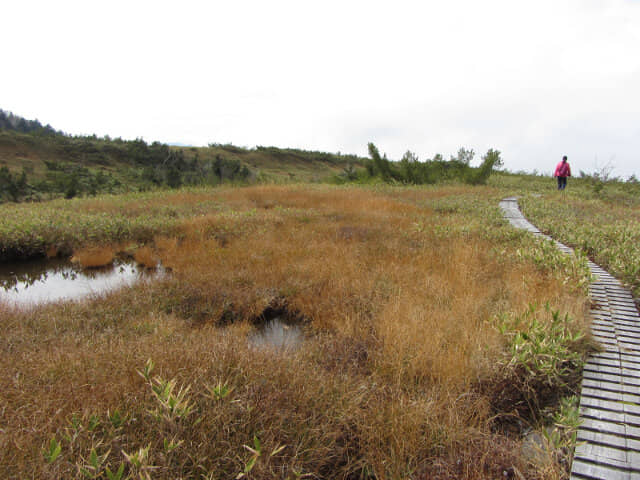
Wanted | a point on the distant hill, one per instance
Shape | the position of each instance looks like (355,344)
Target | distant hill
(9,121)
(39,162)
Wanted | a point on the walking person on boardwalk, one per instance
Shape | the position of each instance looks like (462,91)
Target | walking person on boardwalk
(563,170)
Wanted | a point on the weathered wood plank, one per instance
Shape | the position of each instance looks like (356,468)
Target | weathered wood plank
(609,405)
(611,378)
(610,416)
(583,469)
(610,386)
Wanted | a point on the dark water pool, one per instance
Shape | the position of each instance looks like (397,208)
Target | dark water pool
(39,281)
(277,334)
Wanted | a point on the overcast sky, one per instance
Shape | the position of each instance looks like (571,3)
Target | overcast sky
(535,80)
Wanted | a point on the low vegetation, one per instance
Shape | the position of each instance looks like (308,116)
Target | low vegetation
(436,336)
(410,170)
(600,220)
(39,163)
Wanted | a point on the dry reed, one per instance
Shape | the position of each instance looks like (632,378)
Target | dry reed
(94,257)
(146,257)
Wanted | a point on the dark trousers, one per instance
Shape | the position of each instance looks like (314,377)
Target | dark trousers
(562,183)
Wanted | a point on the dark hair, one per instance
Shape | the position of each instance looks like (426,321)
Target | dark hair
(564,158)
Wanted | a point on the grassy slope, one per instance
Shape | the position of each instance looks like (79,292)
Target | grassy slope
(18,151)
(283,166)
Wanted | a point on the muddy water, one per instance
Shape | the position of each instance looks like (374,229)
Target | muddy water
(277,334)
(39,281)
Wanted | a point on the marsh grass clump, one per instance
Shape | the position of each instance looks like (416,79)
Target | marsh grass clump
(546,352)
(94,257)
(411,316)
(146,257)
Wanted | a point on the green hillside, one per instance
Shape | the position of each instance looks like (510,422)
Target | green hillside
(39,162)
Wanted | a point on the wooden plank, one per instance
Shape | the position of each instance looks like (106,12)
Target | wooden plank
(610,416)
(610,387)
(602,454)
(582,469)
(626,329)
(625,357)
(624,324)
(604,362)
(621,370)
(604,415)
(612,378)
(609,405)
(626,347)
(628,373)
(620,310)
(606,365)
(605,341)
(605,323)
(607,439)
(626,316)
(621,302)
(605,355)
(612,370)
(610,396)
(610,456)
(603,377)
(604,333)
(622,430)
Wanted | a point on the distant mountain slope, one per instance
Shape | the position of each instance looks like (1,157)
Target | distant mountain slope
(9,121)
(39,162)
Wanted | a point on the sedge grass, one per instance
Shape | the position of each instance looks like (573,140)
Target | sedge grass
(145,256)
(402,293)
(94,257)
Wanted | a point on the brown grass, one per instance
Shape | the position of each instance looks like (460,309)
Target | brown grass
(146,257)
(94,257)
(400,332)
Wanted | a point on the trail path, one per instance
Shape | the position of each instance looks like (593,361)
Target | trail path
(609,438)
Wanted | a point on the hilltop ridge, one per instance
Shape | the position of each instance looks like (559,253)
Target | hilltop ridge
(39,162)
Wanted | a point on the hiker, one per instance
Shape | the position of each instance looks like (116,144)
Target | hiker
(563,170)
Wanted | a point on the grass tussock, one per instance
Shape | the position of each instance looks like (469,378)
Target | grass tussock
(146,257)
(94,257)
(411,312)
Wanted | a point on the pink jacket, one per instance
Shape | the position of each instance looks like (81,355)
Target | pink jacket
(562,170)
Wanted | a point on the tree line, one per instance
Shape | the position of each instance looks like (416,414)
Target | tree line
(410,170)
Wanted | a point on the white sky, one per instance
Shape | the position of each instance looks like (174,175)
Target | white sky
(535,80)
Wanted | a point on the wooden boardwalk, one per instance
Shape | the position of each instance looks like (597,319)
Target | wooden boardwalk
(609,437)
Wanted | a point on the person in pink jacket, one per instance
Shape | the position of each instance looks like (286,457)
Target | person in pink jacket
(563,170)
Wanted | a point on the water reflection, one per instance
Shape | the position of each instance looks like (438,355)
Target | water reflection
(277,334)
(39,281)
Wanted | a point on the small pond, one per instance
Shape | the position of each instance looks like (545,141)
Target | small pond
(35,282)
(277,334)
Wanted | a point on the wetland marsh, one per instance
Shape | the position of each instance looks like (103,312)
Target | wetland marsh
(429,326)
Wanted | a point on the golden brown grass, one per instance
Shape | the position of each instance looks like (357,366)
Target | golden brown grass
(399,313)
(145,256)
(94,257)
(51,252)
